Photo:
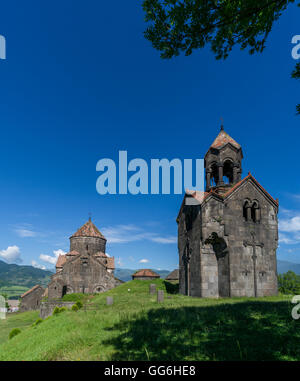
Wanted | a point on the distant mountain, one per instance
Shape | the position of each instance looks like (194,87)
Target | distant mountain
(126,274)
(284,266)
(27,276)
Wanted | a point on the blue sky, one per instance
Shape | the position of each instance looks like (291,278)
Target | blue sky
(80,83)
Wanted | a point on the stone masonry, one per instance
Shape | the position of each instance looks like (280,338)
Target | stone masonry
(86,268)
(227,239)
(31,299)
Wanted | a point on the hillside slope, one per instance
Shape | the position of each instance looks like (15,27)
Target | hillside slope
(136,327)
(26,276)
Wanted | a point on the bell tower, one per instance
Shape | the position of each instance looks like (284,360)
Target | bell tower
(223,163)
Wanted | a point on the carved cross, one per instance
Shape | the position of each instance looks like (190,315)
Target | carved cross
(254,244)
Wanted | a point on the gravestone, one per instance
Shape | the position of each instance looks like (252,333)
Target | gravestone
(2,307)
(160,296)
(109,300)
(152,288)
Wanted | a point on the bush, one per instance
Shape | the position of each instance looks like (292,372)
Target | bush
(75,307)
(79,304)
(58,310)
(14,332)
(38,321)
(289,283)
(74,297)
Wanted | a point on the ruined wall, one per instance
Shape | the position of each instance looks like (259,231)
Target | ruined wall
(47,307)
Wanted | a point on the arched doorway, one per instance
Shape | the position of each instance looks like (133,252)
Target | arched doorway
(222,255)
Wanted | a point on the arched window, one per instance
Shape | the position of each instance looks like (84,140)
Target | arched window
(228,172)
(214,174)
(255,212)
(251,211)
(246,208)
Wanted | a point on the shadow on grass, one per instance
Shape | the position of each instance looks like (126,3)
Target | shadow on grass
(171,288)
(241,331)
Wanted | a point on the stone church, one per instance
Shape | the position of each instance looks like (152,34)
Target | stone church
(227,235)
(85,268)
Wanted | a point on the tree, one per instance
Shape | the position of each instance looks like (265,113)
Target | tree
(289,283)
(185,25)
(296,74)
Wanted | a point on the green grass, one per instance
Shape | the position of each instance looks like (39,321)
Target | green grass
(135,327)
(16,320)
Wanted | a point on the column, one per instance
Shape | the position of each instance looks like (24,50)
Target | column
(208,178)
(248,213)
(235,173)
(257,215)
(220,168)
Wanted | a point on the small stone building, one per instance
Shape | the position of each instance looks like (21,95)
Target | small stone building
(173,276)
(85,268)
(227,235)
(31,299)
(145,274)
(13,305)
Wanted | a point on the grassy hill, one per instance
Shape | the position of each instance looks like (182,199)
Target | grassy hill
(136,327)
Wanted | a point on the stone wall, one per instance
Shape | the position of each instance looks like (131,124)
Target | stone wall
(82,274)
(144,278)
(90,244)
(32,300)
(47,307)
(226,267)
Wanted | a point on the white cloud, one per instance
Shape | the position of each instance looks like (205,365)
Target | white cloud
(132,233)
(144,261)
(37,266)
(52,259)
(290,224)
(172,239)
(25,233)
(285,239)
(11,254)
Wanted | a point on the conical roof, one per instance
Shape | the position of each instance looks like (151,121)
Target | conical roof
(88,230)
(222,139)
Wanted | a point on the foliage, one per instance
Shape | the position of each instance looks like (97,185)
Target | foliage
(58,310)
(75,307)
(14,332)
(296,75)
(185,25)
(289,283)
(22,320)
(79,304)
(37,322)
(76,297)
